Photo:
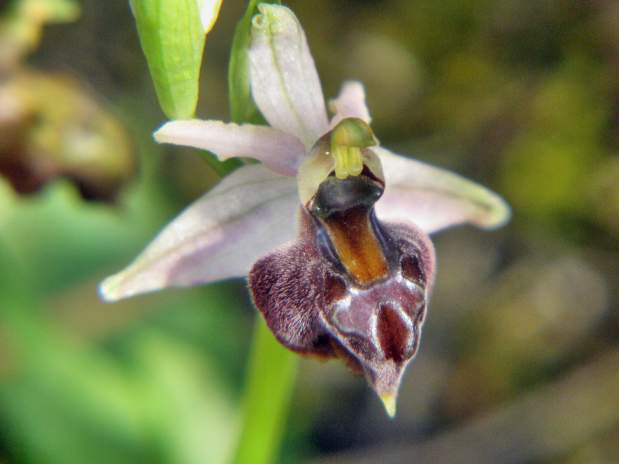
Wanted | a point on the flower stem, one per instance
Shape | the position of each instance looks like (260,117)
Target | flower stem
(272,369)
(270,381)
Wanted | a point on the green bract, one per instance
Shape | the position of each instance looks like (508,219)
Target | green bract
(242,107)
(172,37)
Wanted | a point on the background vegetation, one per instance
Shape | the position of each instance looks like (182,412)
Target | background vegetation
(520,357)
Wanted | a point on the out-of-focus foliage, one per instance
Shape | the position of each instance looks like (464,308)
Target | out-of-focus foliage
(22,22)
(519,359)
(50,125)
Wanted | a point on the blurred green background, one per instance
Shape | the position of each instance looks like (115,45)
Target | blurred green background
(520,358)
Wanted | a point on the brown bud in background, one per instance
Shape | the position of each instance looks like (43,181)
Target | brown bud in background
(51,127)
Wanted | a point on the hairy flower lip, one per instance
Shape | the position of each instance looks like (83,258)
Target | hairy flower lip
(248,222)
(315,306)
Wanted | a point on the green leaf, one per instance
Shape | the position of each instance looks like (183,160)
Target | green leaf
(172,37)
(270,382)
(242,106)
(272,368)
(188,409)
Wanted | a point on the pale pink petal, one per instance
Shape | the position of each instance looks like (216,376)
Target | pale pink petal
(279,151)
(249,213)
(350,103)
(434,198)
(284,81)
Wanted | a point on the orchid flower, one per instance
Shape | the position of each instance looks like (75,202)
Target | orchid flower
(331,228)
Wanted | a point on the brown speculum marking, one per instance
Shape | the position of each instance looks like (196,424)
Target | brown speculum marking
(393,334)
(344,208)
(378,299)
(335,289)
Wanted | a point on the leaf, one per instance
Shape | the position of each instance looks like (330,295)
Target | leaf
(172,36)
(270,381)
(185,400)
(242,106)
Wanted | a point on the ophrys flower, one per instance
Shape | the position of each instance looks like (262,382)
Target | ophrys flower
(339,259)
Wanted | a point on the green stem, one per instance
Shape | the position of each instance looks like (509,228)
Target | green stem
(272,369)
(270,382)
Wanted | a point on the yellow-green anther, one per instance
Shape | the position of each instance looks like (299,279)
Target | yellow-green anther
(348,138)
(355,162)
(341,169)
(353,132)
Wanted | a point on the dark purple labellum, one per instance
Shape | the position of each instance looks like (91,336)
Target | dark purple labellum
(350,286)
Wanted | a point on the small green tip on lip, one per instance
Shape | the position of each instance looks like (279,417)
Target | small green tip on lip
(389,402)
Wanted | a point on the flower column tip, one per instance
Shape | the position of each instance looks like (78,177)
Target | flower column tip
(348,138)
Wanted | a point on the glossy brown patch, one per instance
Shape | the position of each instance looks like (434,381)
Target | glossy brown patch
(411,269)
(335,289)
(421,315)
(392,334)
(356,245)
